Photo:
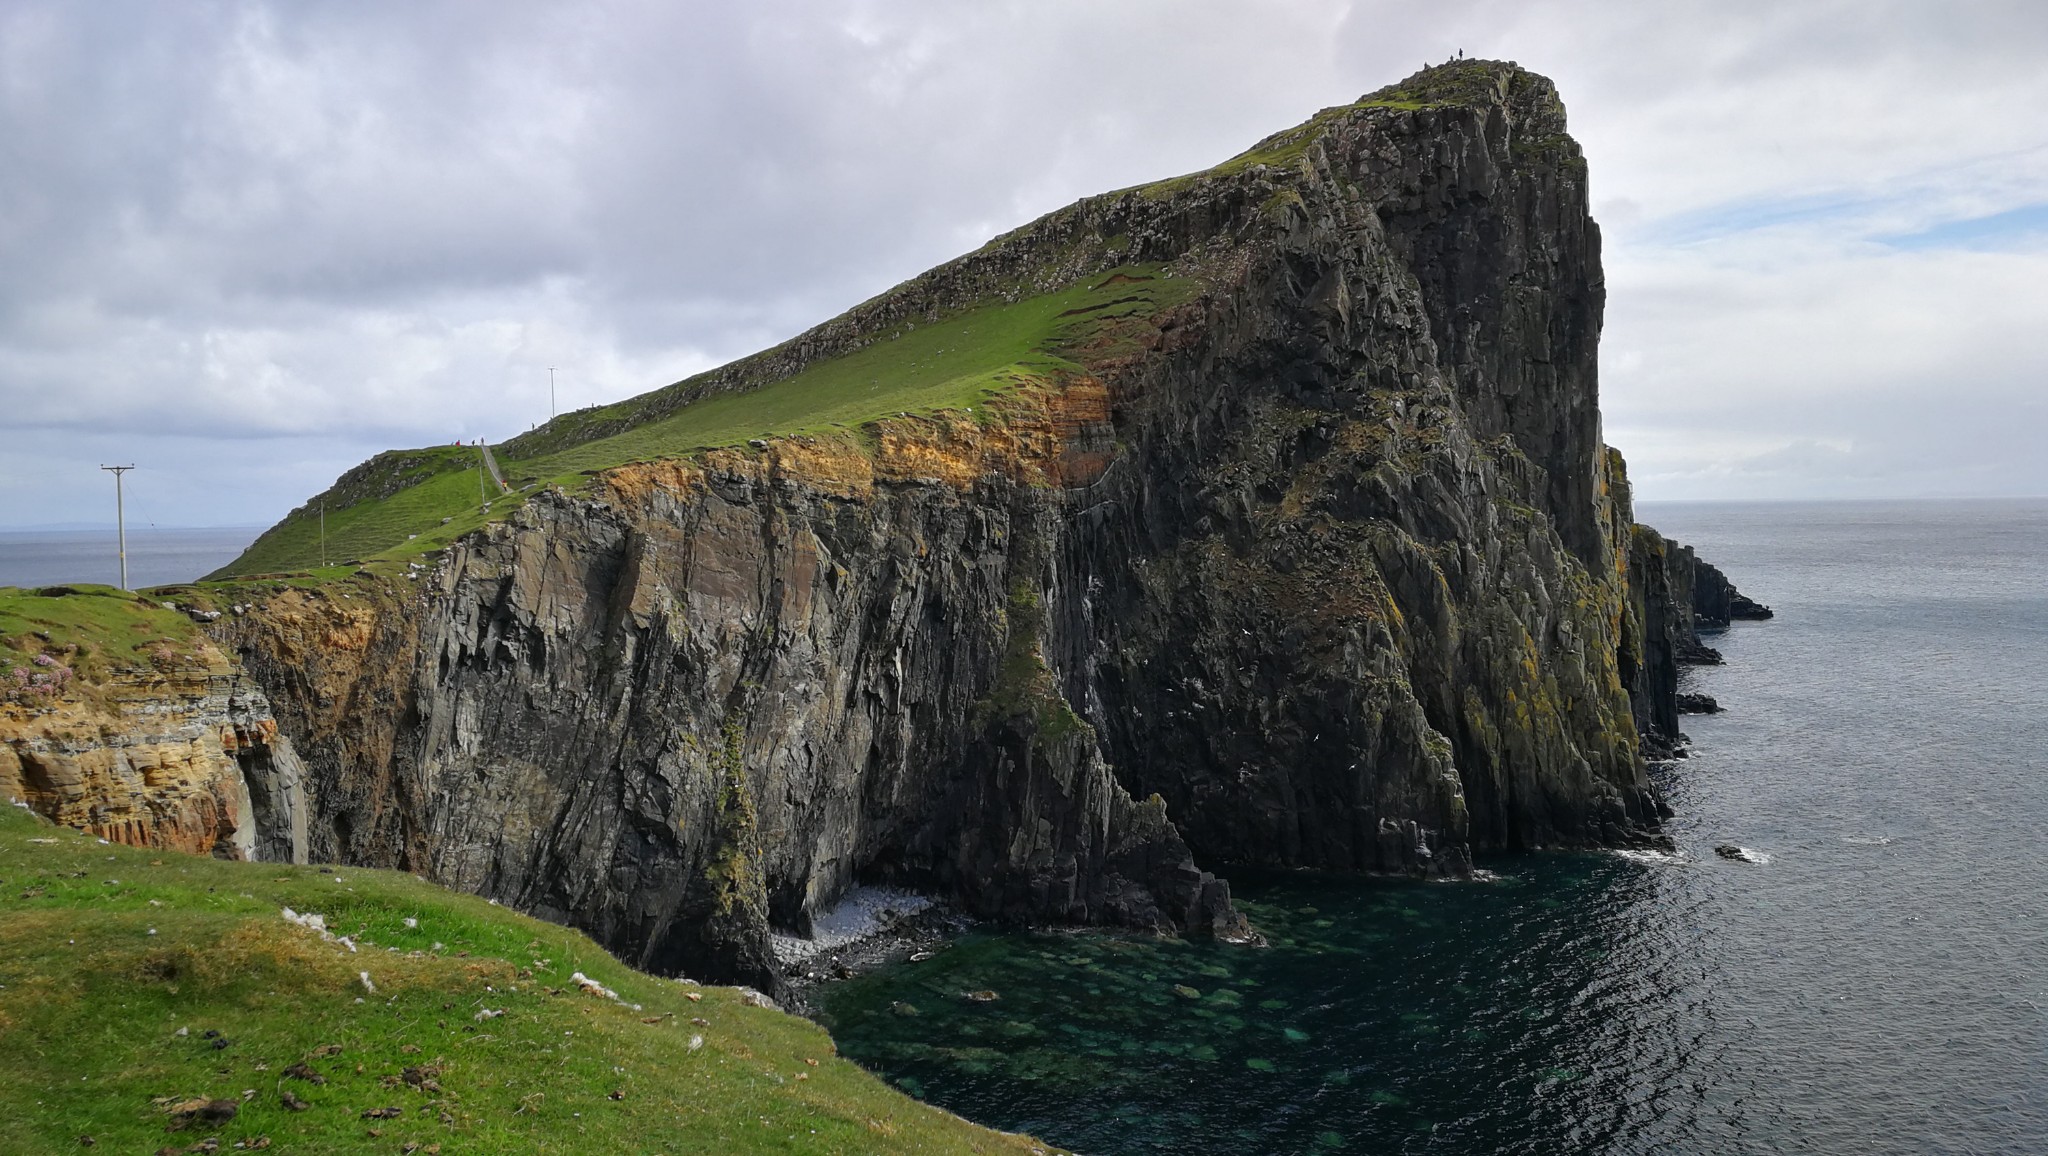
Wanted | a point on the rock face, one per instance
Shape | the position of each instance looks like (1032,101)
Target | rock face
(1325,566)
(184,759)
(1715,600)
(1673,597)
(707,698)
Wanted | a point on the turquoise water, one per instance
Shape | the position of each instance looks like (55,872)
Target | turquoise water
(1877,985)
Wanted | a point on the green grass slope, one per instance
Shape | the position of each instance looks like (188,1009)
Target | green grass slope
(407,502)
(134,984)
(69,639)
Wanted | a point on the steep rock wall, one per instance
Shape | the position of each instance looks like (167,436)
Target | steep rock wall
(706,698)
(1325,566)
(181,759)
(1367,567)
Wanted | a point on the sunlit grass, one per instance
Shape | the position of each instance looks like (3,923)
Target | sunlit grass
(408,502)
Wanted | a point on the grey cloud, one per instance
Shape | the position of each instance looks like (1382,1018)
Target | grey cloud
(286,226)
(231,161)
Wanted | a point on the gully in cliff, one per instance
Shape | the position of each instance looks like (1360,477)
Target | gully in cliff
(1258,516)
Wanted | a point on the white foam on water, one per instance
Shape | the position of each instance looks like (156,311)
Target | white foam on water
(859,913)
(1648,857)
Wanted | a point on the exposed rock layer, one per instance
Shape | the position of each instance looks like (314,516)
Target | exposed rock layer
(1325,567)
(185,759)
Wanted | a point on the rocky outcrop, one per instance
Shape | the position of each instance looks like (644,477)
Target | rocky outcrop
(1715,600)
(1324,565)
(1673,597)
(1703,599)
(182,757)
(1657,634)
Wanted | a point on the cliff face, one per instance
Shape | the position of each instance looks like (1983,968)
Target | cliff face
(1324,565)
(180,759)
(708,697)
(1673,596)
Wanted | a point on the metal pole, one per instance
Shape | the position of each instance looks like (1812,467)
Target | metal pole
(120,518)
(121,526)
(551,393)
(323,533)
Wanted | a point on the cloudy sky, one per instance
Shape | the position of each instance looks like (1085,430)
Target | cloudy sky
(245,245)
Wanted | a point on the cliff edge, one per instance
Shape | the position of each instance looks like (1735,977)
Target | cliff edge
(118,717)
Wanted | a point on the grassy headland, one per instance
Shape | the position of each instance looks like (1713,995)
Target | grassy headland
(407,502)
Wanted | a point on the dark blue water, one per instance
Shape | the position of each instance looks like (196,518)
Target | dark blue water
(1876,986)
(155,557)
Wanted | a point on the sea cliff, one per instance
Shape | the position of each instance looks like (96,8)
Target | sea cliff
(1258,516)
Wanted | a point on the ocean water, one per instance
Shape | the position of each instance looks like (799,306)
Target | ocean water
(1874,983)
(155,557)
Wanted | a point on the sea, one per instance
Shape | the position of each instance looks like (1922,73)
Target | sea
(156,557)
(1870,977)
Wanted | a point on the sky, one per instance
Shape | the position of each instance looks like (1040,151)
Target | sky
(246,245)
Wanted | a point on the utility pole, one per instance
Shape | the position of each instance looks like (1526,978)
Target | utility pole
(551,393)
(120,518)
(323,533)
